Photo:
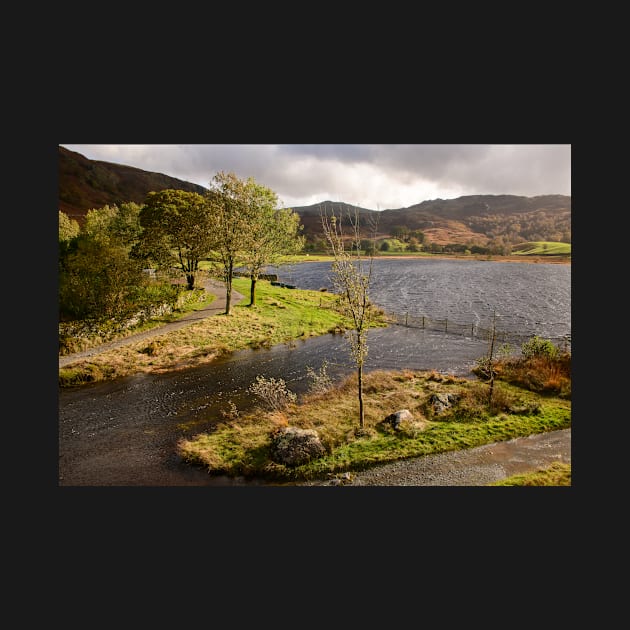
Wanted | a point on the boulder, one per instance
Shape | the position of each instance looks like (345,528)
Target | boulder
(397,417)
(292,446)
(440,402)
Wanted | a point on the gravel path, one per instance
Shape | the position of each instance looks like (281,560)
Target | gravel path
(469,467)
(215,308)
(478,466)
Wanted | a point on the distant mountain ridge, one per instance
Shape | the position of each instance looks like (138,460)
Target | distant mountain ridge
(469,219)
(472,219)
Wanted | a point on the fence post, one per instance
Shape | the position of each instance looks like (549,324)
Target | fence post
(472,330)
(423,321)
(406,317)
(446,325)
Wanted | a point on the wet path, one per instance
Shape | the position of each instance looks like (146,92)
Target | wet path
(478,466)
(215,308)
(125,432)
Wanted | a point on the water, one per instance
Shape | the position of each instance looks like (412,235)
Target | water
(124,432)
(528,298)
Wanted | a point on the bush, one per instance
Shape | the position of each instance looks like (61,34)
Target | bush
(538,347)
(273,393)
(320,380)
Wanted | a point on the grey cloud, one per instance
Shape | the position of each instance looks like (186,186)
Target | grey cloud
(362,171)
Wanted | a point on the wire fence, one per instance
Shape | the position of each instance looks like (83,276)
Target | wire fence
(471,330)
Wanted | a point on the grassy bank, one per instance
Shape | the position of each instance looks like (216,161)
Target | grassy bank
(280,315)
(70,345)
(242,444)
(559,255)
(558,474)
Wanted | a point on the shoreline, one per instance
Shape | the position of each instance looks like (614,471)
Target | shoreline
(556,260)
(519,259)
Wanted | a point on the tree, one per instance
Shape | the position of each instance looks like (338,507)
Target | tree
(228,202)
(487,365)
(98,222)
(69,231)
(97,279)
(177,231)
(272,232)
(400,232)
(68,228)
(125,225)
(369,247)
(351,276)
(117,224)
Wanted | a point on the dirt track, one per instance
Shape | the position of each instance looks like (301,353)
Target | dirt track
(217,307)
(140,455)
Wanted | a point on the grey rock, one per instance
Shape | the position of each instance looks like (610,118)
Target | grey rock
(292,446)
(440,402)
(397,417)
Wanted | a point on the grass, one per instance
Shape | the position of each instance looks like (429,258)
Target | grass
(556,252)
(542,248)
(558,474)
(241,445)
(280,315)
(530,397)
(71,345)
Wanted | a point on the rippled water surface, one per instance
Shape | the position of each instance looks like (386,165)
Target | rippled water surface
(528,298)
(125,432)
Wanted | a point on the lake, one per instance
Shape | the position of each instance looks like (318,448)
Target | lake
(529,299)
(125,432)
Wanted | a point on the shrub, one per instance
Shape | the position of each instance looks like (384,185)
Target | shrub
(273,393)
(232,412)
(320,380)
(538,347)
(541,374)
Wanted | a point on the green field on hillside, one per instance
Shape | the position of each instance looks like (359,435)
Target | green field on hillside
(542,248)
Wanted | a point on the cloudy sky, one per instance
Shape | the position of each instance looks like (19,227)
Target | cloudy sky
(375,176)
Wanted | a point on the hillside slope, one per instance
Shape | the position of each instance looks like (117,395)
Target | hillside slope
(85,184)
(471,220)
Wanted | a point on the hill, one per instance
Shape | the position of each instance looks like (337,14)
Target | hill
(472,220)
(85,184)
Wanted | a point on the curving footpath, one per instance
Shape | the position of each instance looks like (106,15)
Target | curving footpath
(469,467)
(217,307)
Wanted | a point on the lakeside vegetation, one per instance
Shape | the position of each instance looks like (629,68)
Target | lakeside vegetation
(103,279)
(242,444)
(280,315)
(539,251)
(533,396)
(557,474)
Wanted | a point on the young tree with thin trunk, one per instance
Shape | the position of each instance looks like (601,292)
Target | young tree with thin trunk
(486,365)
(351,276)
(228,200)
(272,232)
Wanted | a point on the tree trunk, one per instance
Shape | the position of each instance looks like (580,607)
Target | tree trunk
(190,279)
(228,289)
(252,291)
(360,378)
